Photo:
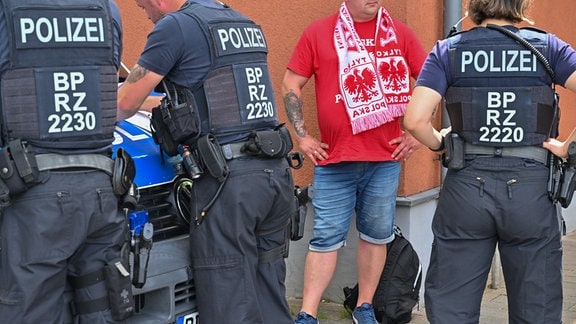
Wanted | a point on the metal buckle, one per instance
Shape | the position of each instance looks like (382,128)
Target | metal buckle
(227,150)
(498,151)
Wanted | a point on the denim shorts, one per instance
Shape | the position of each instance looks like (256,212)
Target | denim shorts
(366,188)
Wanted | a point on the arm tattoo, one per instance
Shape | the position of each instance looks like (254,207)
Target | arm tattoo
(293,105)
(136,74)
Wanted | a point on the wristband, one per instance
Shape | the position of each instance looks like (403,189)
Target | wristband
(441,148)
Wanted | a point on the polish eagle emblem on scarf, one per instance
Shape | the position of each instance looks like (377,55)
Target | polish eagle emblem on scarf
(361,84)
(393,74)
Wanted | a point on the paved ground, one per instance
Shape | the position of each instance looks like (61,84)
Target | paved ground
(494,303)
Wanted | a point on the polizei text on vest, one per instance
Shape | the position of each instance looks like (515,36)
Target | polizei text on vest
(498,61)
(62,30)
(243,37)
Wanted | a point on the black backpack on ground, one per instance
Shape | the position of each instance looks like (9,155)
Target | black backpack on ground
(399,288)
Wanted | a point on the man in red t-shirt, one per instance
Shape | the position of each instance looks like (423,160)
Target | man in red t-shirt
(362,61)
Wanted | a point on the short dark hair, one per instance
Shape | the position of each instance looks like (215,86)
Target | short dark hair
(513,10)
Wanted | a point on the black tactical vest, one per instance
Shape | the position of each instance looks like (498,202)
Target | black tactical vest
(498,94)
(236,96)
(60,90)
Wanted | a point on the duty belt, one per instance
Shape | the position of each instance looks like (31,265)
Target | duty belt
(233,150)
(59,161)
(537,154)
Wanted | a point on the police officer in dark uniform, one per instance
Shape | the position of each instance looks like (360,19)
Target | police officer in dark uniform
(221,117)
(60,219)
(503,114)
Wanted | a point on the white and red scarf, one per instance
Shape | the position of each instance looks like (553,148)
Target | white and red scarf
(375,88)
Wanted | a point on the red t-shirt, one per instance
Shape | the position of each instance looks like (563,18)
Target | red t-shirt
(316,55)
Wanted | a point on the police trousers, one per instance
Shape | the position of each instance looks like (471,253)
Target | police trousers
(69,225)
(249,218)
(493,202)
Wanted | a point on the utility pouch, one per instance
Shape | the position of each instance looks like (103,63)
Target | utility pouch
(123,172)
(180,113)
(119,286)
(211,154)
(161,134)
(9,174)
(454,157)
